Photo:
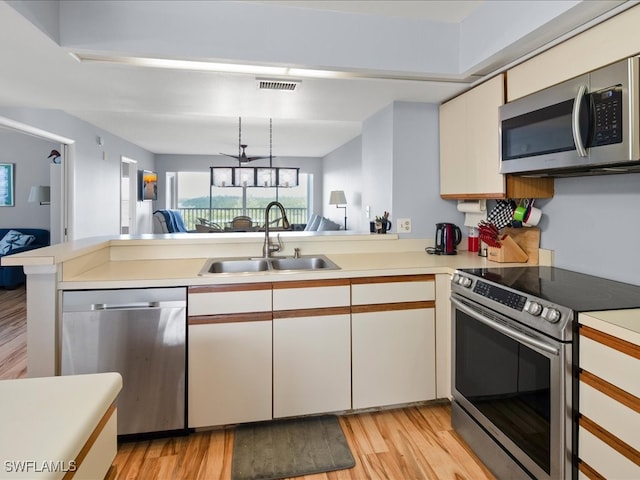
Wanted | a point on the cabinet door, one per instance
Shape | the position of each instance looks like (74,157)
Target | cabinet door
(311,364)
(393,357)
(469,143)
(605,43)
(229,372)
(230,354)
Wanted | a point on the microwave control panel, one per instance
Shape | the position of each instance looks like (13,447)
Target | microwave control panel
(607,112)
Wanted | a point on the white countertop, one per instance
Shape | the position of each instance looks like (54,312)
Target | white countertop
(50,419)
(184,271)
(623,324)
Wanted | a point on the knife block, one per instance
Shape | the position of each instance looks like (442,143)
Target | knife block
(509,252)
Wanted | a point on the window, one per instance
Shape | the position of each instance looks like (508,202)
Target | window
(198,199)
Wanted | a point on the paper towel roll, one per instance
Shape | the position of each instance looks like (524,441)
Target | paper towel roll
(474,211)
(472,206)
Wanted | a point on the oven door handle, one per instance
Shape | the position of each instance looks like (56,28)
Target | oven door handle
(514,334)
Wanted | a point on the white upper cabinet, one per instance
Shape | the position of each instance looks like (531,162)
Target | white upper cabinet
(606,43)
(469,143)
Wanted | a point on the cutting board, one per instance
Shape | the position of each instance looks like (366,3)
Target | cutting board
(528,238)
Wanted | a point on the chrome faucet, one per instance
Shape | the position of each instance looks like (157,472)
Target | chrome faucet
(268,248)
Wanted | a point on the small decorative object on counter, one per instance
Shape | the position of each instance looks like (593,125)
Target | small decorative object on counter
(473,240)
(383,225)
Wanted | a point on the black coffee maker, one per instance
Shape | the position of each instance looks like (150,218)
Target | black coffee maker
(448,236)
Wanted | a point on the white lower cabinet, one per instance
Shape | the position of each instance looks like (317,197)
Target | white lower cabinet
(311,348)
(393,357)
(230,374)
(393,340)
(609,398)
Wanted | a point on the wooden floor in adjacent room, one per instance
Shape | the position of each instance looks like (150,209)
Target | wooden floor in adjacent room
(410,443)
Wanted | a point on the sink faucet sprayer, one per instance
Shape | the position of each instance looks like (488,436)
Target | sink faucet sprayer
(268,248)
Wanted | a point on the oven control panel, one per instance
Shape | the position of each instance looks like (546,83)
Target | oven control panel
(497,294)
(508,298)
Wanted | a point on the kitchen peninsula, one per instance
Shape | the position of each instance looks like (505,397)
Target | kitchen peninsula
(377,273)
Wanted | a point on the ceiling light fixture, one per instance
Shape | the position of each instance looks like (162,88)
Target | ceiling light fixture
(224,67)
(243,176)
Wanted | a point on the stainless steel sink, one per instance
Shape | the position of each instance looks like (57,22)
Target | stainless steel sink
(303,263)
(235,265)
(275,264)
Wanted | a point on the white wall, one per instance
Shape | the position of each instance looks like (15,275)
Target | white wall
(97,169)
(343,171)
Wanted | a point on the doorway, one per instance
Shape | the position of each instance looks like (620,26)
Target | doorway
(128,195)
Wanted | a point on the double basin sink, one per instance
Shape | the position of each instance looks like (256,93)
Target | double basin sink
(271,264)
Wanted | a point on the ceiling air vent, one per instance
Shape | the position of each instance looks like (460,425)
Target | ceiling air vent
(275,84)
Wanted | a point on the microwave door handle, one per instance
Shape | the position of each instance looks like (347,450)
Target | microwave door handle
(509,332)
(575,121)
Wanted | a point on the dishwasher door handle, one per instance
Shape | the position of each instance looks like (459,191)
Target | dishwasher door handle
(101,307)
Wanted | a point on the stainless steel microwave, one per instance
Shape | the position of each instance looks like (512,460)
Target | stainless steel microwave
(587,125)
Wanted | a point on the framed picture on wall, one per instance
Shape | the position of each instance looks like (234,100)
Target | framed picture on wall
(7,196)
(148,185)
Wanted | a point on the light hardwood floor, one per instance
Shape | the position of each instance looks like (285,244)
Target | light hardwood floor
(402,444)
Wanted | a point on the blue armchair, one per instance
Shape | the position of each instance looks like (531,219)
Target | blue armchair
(12,277)
(168,221)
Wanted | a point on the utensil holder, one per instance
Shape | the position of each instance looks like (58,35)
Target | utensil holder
(508,252)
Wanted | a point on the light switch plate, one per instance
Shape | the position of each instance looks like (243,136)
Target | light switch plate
(404,225)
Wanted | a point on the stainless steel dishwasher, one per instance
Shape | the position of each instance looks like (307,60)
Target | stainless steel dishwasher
(139,333)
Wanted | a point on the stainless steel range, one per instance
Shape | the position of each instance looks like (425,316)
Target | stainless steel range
(514,394)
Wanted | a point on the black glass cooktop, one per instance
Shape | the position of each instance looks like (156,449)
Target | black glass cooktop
(577,291)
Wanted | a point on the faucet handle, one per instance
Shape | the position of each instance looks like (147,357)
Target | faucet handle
(296,253)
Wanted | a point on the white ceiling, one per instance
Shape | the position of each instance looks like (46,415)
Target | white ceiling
(196,112)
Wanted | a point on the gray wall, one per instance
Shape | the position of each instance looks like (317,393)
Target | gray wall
(343,171)
(31,168)
(395,167)
(416,170)
(593,225)
(97,169)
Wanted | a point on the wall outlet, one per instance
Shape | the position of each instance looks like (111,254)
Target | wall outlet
(404,225)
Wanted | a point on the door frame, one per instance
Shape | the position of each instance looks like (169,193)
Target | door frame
(63,202)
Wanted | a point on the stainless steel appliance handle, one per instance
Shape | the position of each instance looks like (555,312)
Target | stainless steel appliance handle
(136,305)
(514,334)
(575,121)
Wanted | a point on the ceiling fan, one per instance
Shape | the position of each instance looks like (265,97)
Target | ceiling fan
(242,155)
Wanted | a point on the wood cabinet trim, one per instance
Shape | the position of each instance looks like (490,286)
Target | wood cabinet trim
(328,282)
(390,307)
(589,471)
(229,287)
(84,451)
(394,278)
(472,196)
(610,390)
(616,343)
(230,318)
(311,312)
(614,442)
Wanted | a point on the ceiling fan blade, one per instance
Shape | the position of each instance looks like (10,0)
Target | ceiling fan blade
(250,159)
(227,155)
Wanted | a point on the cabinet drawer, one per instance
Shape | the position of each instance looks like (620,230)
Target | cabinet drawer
(611,365)
(392,290)
(225,299)
(307,295)
(614,417)
(603,459)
